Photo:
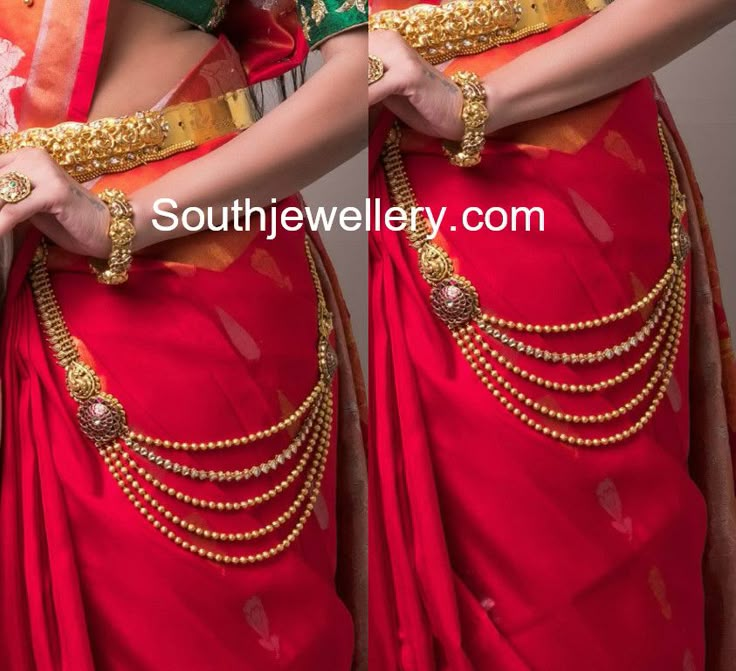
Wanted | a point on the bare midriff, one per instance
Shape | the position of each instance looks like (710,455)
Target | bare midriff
(147,52)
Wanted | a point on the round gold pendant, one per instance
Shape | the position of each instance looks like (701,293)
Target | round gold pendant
(102,419)
(455,301)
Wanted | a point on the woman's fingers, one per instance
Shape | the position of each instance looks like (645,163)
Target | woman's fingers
(419,94)
(12,214)
(400,65)
(6,160)
(62,209)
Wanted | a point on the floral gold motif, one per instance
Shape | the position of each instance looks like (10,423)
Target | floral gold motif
(475,114)
(375,69)
(121,233)
(466,153)
(306,24)
(346,6)
(462,27)
(455,301)
(319,11)
(434,263)
(88,150)
(81,381)
(102,419)
(218,14)
(14,187)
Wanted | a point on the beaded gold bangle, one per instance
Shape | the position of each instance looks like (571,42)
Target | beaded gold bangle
(121,233)
(474,114)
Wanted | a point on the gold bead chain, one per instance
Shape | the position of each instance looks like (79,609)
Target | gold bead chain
(224,506)
(123,475)
(481,366)
(103,419)
(235,442)
(641,304)
(579,388)
(455,301)
(222,557)
(579,357)
(229,476)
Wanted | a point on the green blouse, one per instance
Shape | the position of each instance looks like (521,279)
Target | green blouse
(320,18)
(324,18)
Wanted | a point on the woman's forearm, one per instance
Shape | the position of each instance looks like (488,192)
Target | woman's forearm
(316,129)
(628,40)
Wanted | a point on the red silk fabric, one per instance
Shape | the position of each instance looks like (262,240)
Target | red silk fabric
(267,35)
(494,547)
(213,336)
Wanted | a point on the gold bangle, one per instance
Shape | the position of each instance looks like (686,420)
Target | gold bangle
(466,153)
(376,69)
(121,233)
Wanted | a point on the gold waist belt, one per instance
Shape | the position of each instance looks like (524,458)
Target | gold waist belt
(89,150)
(464,27)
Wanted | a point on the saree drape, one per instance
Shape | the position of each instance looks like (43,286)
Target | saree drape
(495,547)
(214,335)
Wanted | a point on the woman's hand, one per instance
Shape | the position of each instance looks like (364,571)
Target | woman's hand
(67,213)
(415,91)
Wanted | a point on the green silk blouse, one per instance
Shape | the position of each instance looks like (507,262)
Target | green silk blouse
(320,19)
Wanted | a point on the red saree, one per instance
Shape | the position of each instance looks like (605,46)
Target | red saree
(213,336)
(496,547)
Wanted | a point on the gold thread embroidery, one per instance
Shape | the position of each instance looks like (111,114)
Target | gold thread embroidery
(346,6)
(306,27)
(218,14)
(319,11)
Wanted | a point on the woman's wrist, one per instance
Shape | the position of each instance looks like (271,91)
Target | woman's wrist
(497,107)
(146,234)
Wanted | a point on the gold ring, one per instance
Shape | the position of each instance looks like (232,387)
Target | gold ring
(375,69)
(14,187)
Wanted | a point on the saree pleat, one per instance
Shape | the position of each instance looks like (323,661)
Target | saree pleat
(712,380)
(352,482)
(499,547)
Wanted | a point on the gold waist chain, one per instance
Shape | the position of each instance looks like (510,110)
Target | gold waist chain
(439,33)
(141,467)
(111,145)
(495,347)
